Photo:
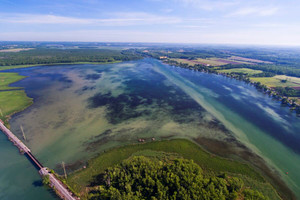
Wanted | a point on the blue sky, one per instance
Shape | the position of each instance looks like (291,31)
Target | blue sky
(271,22)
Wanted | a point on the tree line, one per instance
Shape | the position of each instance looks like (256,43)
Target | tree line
(151,179)
(48,56)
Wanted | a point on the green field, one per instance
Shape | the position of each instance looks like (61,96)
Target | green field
(11,100)
(184,61)
(201,61)
(211,164)
(212,62)
(276,81)
(241,70)
(291,79)
(8,78)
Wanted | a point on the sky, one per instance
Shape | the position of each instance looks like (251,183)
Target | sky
(254,22)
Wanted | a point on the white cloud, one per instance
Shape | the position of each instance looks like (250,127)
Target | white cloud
(140,18)
(181,36)
(210,5)
(117,19)
(193,26)
(255,11)
(41,19)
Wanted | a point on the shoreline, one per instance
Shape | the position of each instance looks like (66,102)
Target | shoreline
(220,150)
(129,150)
(260,87)
(3,68)
(268,168)
(10,93)
(226,150)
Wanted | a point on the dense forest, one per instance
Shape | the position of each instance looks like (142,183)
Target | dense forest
(48,56)
(144,178)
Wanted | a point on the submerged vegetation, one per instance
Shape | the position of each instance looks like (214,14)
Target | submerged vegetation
(144,178)
(163,152)
(277,76)
(13,100)
(152,164)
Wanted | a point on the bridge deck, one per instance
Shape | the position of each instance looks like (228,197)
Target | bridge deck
(22,147)
(61,189)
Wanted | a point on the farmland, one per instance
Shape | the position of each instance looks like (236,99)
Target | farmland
(278,81)
(215,61)
(241,70)
(200,61)
(15,50)
(238,58)
(211,62)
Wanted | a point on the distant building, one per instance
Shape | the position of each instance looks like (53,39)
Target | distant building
(163,57)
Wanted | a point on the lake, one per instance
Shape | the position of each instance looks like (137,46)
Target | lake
(82,110)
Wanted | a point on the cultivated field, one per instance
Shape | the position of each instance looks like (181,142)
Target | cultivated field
(15,50)
(200,61)
(291,79)
(211,62)
(215,62)
(238,58)
(276,81)
(241,70)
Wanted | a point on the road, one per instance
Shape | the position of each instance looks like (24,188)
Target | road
(60,188)
(22,147)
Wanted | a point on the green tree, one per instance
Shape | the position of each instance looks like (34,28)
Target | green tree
(46,180)
(142,178)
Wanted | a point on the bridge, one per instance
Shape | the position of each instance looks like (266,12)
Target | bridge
(60,188)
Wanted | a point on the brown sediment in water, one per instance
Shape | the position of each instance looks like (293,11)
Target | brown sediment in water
(233,149)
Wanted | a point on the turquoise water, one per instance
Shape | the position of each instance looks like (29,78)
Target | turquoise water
(81,110)
(18,178)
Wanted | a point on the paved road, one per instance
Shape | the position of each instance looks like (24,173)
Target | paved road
(22,147)
(58,185)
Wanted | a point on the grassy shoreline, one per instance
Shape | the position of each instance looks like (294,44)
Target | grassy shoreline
(24,106)
(210,163)
(12,99)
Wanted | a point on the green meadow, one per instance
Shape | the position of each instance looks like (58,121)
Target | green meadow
(277,81)
(211,164)
(241,70)
(12,99)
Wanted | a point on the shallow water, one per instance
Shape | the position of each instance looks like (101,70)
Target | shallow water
(81,110)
